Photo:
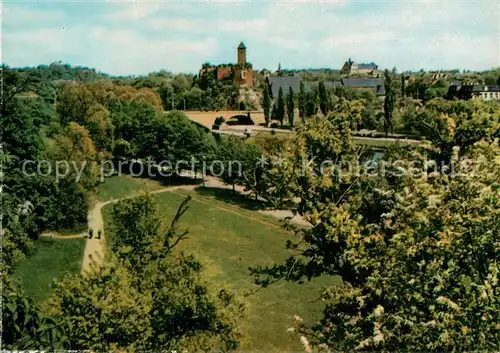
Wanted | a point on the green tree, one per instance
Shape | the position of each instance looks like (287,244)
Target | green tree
(26,137)
(76,102)
(411,268)
(146,297)
(389,103)
(403,86)
(324,103)
(489,80)
(75,147)
(73,103)
(24,327)
(281,179)
(447,124)
(175,138)
(239,158)
(349,110)
(412,251)
(132,121)
(267,105)
(280,107)
(437,90)
(290,106)
(167,95)
(311,103)
(302,102)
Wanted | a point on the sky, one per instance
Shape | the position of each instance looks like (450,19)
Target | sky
(138,37)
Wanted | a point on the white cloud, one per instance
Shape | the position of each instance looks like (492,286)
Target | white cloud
(132,11)
(117,51)
(14,14)
(131,37)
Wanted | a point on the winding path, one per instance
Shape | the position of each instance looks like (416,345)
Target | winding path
(95,248)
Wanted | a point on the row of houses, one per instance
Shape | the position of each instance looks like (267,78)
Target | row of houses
(242,73)
(473,91)
(286,82)
(376,85)
(356,76)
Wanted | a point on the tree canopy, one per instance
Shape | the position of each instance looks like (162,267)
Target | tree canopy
(417,269)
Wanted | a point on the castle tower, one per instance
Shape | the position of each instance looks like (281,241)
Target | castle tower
(242,54)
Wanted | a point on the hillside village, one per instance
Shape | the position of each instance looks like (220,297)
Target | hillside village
(351,76)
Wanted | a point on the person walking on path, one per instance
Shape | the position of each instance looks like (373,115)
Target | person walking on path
(91,231)
(99,233)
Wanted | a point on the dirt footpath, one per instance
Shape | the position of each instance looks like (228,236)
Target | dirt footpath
(95,248)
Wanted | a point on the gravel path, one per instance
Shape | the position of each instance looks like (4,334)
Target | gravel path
(282,214)
(95,248)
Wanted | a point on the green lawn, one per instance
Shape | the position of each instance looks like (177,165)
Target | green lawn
(227,244)
(51,260)
(125,185)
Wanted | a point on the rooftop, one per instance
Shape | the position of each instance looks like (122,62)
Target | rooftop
(284,82)
(328,84)
(359,82)
(369,66)
(485,88)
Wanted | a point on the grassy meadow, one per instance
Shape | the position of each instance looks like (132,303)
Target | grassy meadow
(115,187)
(227,239)
(51,260)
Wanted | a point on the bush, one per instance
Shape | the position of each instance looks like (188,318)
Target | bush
(241,120)
(219,121)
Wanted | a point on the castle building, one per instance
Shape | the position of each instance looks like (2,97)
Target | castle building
(242,54)
(241,73)
(352,68)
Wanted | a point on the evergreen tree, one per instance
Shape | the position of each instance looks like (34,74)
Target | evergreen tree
(290,106)
(403,85)
(267,105)
(323,99)
(280,109)
(311,104)
(302,101)
(274,110)
(389,103)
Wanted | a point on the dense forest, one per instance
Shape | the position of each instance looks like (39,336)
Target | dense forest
(74,115)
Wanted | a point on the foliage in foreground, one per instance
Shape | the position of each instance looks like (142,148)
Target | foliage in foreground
(418,254)
(144,298)
(425,274)
(23,324)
